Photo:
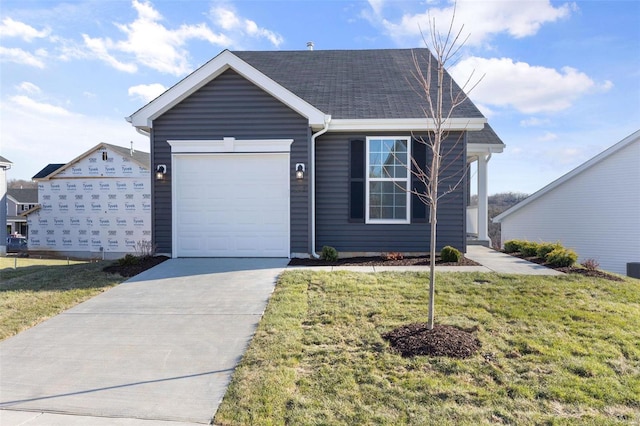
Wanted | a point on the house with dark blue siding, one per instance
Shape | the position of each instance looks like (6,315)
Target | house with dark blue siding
(279,153)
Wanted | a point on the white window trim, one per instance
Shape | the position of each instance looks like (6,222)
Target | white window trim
(369,220)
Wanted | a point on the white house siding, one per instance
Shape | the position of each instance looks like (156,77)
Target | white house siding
(94,208)
(596,212)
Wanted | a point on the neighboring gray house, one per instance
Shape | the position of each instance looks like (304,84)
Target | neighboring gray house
(4,166)
(594,209)
(19,201)
(278,154)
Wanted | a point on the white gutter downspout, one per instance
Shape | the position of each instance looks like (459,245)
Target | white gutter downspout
(327,120)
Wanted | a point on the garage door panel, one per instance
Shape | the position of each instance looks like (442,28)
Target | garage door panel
(234,214)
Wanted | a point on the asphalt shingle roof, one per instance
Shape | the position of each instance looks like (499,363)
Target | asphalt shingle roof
(354,84)
(47,170)
(24,195)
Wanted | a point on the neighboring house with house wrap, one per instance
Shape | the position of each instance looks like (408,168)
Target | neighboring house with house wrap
(594,209)
(4,166)
(19,201)
(97,205)
(281,153)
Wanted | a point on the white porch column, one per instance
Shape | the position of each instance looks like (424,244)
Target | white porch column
(483,198)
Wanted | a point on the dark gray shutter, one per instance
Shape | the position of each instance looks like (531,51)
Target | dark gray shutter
(356,180)
(419,154)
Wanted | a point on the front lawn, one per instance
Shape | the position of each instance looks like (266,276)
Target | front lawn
(555,350)
(39,289)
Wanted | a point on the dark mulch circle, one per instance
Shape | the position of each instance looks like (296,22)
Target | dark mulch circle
(443,340)
(380,261)
(142,265)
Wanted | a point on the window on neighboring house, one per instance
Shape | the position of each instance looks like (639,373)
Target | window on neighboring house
(387,180)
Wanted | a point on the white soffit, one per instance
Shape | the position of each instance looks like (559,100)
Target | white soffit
(143,118)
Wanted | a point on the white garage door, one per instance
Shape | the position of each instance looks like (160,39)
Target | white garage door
(231,205)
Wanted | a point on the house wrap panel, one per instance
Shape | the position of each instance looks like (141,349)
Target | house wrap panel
(231,106)
(332,203)
(92,204)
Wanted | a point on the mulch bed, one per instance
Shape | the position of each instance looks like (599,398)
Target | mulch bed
(381,261)
(443,340)
(142,265)
(595,273)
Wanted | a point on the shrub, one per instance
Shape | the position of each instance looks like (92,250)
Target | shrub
(394,255)
(128,260)
(529,249)
(329,254)
(513,246)
(590,264)
(145,248)
(545,248)
(562,257)
(450,254)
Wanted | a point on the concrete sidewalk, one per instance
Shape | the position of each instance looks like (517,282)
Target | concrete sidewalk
(490,261)
(158,349)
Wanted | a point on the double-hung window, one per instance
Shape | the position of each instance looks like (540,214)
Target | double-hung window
(387,179)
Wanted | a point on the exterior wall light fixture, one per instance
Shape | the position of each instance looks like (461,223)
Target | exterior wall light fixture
(300,171)
(161,170)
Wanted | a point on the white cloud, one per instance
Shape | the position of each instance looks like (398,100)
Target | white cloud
(28,87)
(31,105)
(548,137)
(100,49)
(535,122)
(147,92)
(35,134)
(11,28)
(482,19)
(19,56)
(226,17)
(527,88)
(148,42)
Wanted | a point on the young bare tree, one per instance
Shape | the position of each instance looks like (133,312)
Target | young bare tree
(445,48)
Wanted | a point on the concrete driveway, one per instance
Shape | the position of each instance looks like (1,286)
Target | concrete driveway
(159,347)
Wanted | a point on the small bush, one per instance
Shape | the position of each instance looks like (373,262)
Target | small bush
(513,246)
(545,248)
(591,264)
(529,249)
(329,254)
(394,255)
(145,248)
(128,260)
(450,254)
(562,257)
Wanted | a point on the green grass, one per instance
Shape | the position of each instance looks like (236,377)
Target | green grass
(31,294)
(555,350)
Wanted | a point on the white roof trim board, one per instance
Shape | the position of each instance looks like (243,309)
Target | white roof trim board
(634,137)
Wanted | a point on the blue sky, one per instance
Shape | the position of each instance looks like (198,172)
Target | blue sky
(562,79)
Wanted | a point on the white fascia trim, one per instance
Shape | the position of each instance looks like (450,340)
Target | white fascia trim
(143,118)
(483,148)
(229,145)
(404,124)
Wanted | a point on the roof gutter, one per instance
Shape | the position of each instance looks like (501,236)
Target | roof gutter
(327,120)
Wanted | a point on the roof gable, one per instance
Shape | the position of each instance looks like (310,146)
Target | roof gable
(143,118)
(633,138)
(140,158)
